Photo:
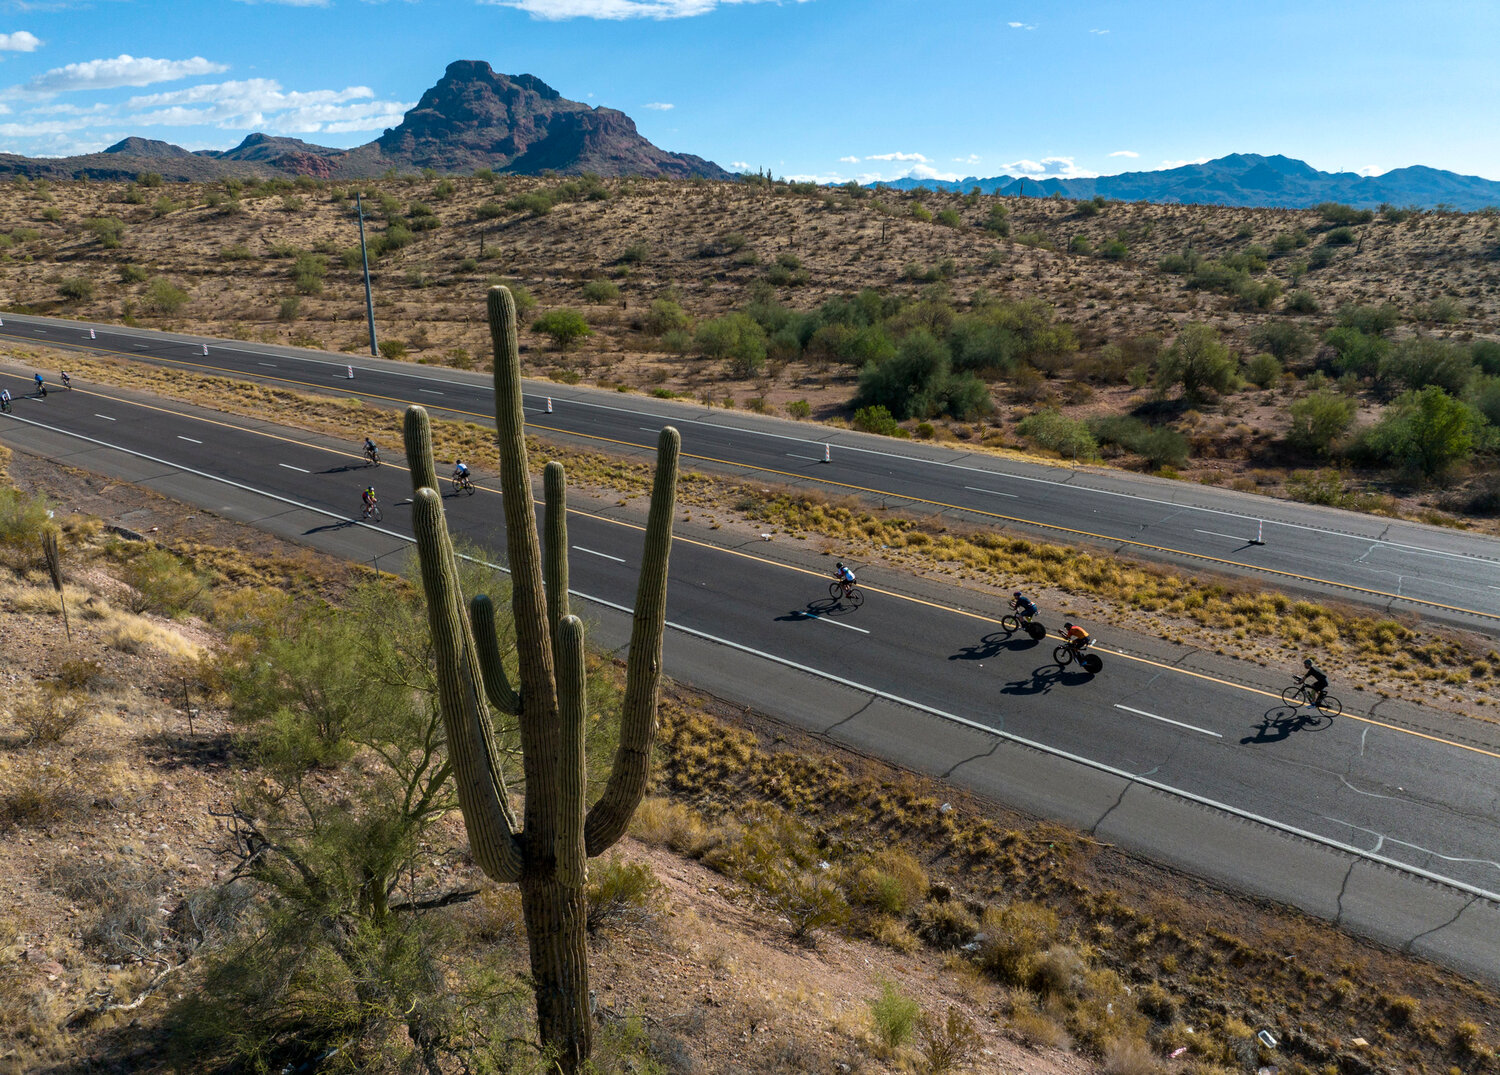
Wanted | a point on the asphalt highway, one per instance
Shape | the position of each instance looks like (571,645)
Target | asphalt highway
(1389,564)
(1414,800)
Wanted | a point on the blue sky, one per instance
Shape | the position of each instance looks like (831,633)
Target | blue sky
(829,89)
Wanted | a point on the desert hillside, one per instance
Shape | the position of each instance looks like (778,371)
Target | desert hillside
(1297,352)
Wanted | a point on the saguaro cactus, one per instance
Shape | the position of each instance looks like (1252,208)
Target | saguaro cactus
(546,852)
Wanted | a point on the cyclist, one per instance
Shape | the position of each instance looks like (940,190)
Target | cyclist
(67,382)
(5,400)
(1076,637)
(41,385)
(1024,606)
(371,452)
(844,575)
(368,496)
(460,471)
(1319,681)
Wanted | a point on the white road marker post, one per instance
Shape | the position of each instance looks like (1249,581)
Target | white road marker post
(205,350)
(827,453)
(91,335)
(549,404)
(350,370)
(1260,532)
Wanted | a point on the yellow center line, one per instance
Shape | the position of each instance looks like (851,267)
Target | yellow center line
(785,567)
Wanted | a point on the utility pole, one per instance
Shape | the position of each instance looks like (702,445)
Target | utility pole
(364,255)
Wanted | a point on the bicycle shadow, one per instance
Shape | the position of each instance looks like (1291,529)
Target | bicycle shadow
(342,524)
(821,609)
(992,644)
(1043,678)
(1278,724)
(346,468)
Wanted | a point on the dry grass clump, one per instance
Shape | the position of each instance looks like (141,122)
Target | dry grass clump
(49,713)
(36,791)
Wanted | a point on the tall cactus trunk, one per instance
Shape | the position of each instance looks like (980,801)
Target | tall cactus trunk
(547,855)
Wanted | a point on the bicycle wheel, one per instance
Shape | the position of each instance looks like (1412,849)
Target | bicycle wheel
(375,513)
(1092,664)
(1011,624)
(1292,696)
(1062,654)
(836,590)
(468,487)
(856,597)
(1330,706)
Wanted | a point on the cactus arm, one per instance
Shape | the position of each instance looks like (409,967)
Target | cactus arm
(416,432)
(609,817)
(491,662)
(572,701)
(555,484)
(478,778)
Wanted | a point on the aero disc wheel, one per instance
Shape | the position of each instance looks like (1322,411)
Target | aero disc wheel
(1330,706)
(1062,655)
(1292,696)
(1036,631)
(856,597)
(1092,664)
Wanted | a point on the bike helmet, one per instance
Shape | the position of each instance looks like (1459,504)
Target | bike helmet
(1067,627)
(1306,662)
(1017,595)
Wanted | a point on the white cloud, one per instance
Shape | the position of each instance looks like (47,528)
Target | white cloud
(1021,26)
(739,166)
(1184,163)
(262,103)
(848,160)
(1125,153)
(20,41)
(553,10)
(660,106)
(1099,32)
(290,3)
(897,157)
(921,171)
(1047,168)
(123,70)
(1369,170)
(970,159)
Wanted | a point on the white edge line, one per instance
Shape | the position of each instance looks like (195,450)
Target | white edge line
(190,440)
(290,467)
(1231,537)
(595,552)
(992,492)
(1168,720)
(1011,737)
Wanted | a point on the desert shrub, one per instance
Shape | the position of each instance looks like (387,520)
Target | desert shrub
(289,308)
(1036,240)
(1355,351)
(600,292)
(1068,437)
(1114,250)
(1486,399)
(1287,340)
(1371,320)
(50,713)
(120,896)
(76,288)
(565,326)
(1301,302)
(1339,237)
(676,340)
(24,520)
(1443,310)
(918,381)
(620,893)
(1197,361)
(877,419)
(949,218)
(1263,370)
(1486,355)
(810,902)
(392,349)
(737,338)
(950,1043)
(895,1015)
(1419,361)
(1079,244)
(892,882)
(395,237)
(164,297)
(1425,432)
(108,230)
(133,274)
(997,220)
(1336,213)
(799,408)
(161,583)
(307,273)
(1319,420)
(1159,445)
(43,792)
(636,254)
(490,211)
(1015,936)
(1130,1056)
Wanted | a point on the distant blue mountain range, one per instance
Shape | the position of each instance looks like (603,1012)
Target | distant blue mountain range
(1251,180)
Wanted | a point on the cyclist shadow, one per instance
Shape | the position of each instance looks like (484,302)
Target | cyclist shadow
(822,608)
(1278,723)
(346,468)
(992,644)
(1043,679)
(342,524)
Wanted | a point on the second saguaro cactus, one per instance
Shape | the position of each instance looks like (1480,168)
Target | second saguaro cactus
(545,852)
